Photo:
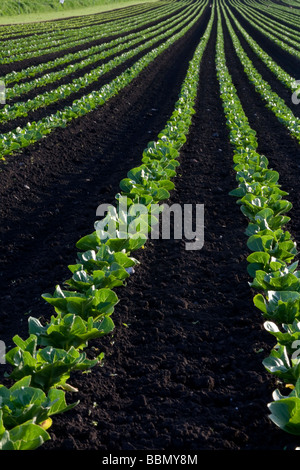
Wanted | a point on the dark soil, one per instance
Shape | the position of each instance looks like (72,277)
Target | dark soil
(183,369)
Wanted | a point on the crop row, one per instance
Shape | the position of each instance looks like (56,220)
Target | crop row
(271,264)
(75,39)
(287,16)
(46,40)
(283,8)
(43,41)
(291,2)
(115,47)
(277,39)
(32,132)
(123,29)
(51,30)
(124,36)
(274,10)
(287,80)
(42,363)
(285,33)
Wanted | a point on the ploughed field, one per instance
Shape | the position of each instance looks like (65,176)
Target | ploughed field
(183,341)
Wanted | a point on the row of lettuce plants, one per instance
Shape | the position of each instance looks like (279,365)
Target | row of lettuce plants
(76,38)
(276,9)
(34,131)
(291,2)
(271,11)
(287,80)
(18,30)
(121,44)
(272,101)
(42,363)
(271,264)
(46,40)
(274,38)
(289,12)
(287,34)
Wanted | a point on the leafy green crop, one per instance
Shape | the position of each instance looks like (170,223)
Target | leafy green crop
(84,307)
(19,109)
(68,331)
(276,104)
(74,36)
(85,58)
(48,367)
(22,403)
(34,131)
(285,410)
(26,436)
(271,263)
(95,303)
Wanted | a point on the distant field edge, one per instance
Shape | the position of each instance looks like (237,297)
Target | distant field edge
(53,10)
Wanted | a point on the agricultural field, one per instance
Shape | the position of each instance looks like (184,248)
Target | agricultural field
(150,212)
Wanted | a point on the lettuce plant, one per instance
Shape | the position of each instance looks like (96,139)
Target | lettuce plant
(83,309)
(285,410)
